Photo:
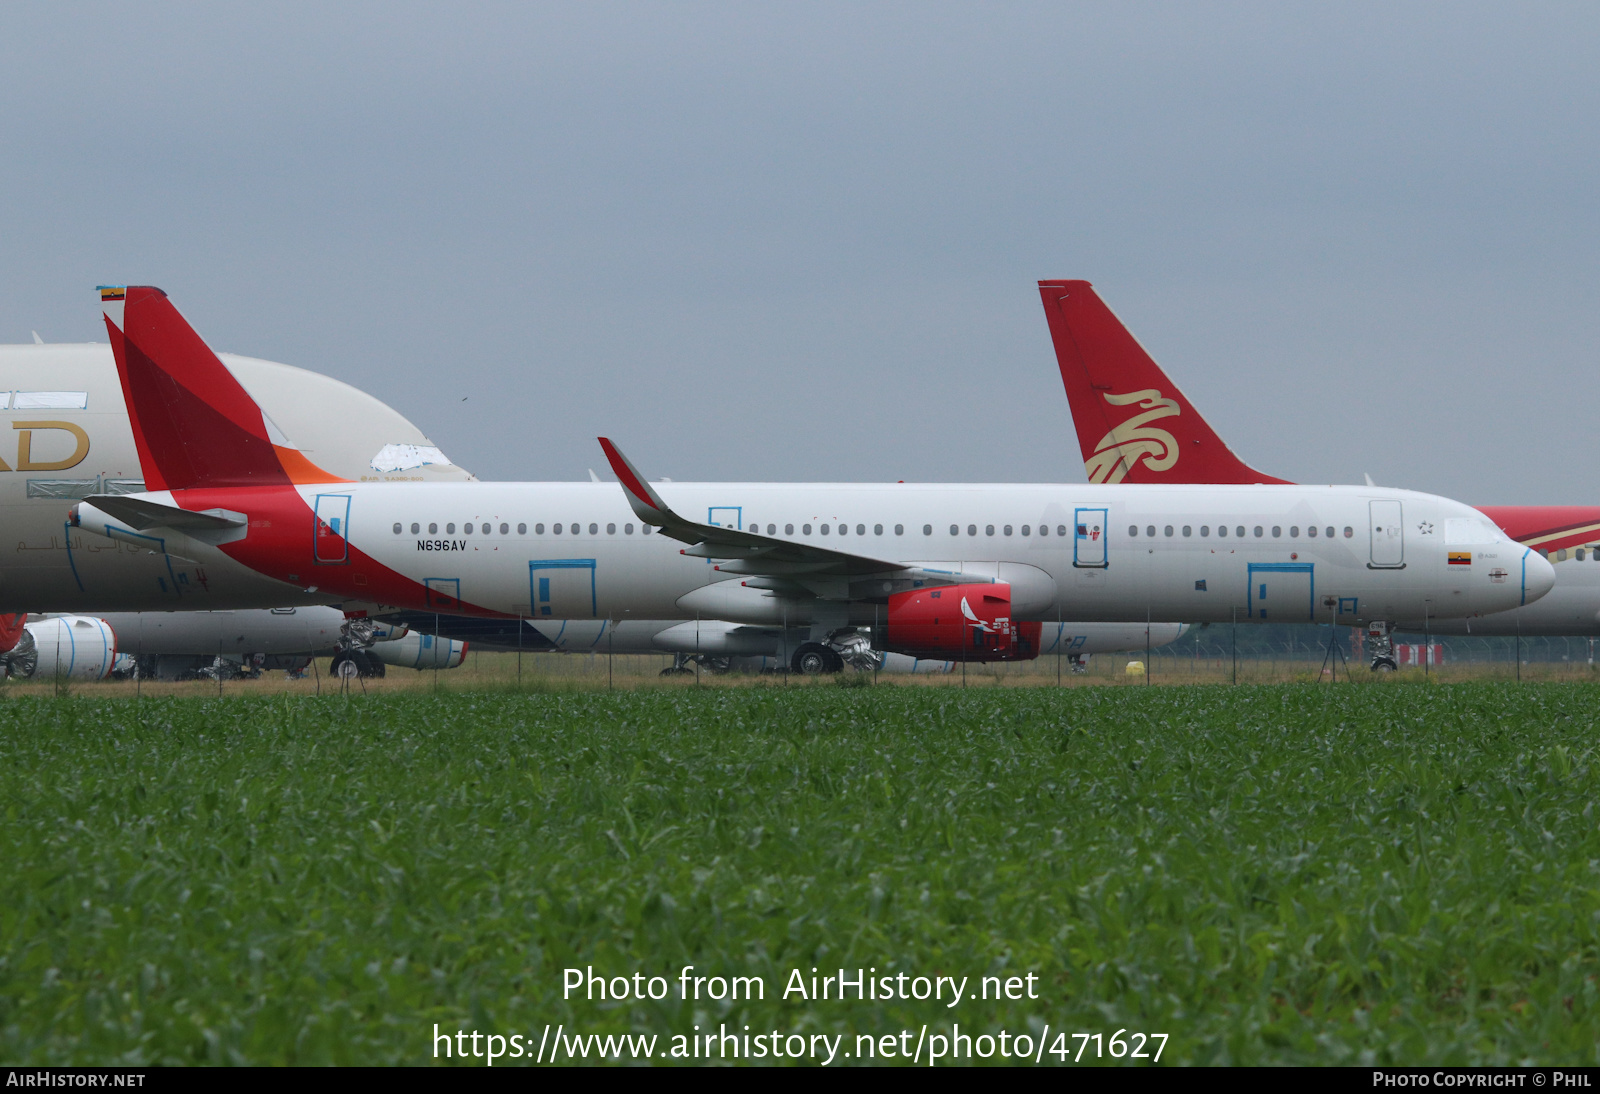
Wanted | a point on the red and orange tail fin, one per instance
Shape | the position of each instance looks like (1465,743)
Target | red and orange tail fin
(1134,425)
(193,423)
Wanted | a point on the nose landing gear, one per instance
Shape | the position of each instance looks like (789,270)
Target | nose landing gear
(1381,639)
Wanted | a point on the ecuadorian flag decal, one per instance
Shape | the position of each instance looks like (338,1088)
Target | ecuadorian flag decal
(1461,558)
(113,292)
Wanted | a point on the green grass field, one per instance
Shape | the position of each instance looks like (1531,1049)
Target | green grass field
(1302,874)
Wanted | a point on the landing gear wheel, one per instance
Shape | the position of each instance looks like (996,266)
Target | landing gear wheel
(1384,664)
(814,659)
(349,664)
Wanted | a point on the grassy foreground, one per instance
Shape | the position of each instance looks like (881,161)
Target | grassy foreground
(1267,874)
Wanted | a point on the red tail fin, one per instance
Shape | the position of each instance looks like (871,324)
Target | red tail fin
(1118,393)
(11,626)
(193,423)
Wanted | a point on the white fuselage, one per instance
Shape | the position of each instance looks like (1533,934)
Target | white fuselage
(1107,553)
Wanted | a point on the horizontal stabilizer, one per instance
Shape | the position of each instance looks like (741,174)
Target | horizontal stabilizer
(142,513)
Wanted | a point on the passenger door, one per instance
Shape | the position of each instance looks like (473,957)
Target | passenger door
(1387,522)
(329,540)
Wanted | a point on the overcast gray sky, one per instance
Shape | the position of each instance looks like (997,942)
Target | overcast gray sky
(800,241)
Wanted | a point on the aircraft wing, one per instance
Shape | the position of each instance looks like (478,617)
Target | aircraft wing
(745,552)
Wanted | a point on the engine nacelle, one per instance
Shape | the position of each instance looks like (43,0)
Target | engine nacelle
(420,651)
(77,647)
(959,623)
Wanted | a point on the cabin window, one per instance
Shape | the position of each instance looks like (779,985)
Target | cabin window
(1277,532)
(538,529)
(1348,531)
(555,529)
(1330,532)
(627,529)
(1168,531)
(505,529)
(1150,531)
(415,528)
(1312,531)
(1239,531)
(972,529)
(1222,530)
(1061,529)
(826,528)
(1294,531)
(1188,530)
(449,529)
(1205,530)
(594,529)
(611,529)
(466,529)
(988,529)
(900,529)
(788,529)
(805,529)
(646,530)
(433,529)
(1133,530)
(1027,529)
(397,529)
(877,529)
(772,529)
(1259,531)
(861,529)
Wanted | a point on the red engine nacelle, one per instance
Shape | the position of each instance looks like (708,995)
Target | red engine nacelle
(959,623)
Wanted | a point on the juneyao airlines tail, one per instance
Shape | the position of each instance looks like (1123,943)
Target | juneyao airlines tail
(1134,425)
(961,571)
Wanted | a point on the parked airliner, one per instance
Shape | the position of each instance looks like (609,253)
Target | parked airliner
(70,437)
(967,570)
(1135,426)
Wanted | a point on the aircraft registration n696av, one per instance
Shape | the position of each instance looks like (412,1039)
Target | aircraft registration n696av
(1135,426)
(966,571)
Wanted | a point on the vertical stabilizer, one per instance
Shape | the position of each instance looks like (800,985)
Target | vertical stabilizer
(193,423)
(1133,423)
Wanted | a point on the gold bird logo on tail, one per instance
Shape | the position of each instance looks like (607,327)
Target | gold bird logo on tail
(1133,440)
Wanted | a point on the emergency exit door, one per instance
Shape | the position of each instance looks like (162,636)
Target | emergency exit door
(1089,538)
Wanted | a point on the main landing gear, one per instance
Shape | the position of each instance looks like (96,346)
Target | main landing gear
(814,659)
(843,647)
(683,664)
(1381,639)
(357,636)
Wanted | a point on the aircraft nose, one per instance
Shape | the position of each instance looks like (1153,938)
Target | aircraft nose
(1539,577)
